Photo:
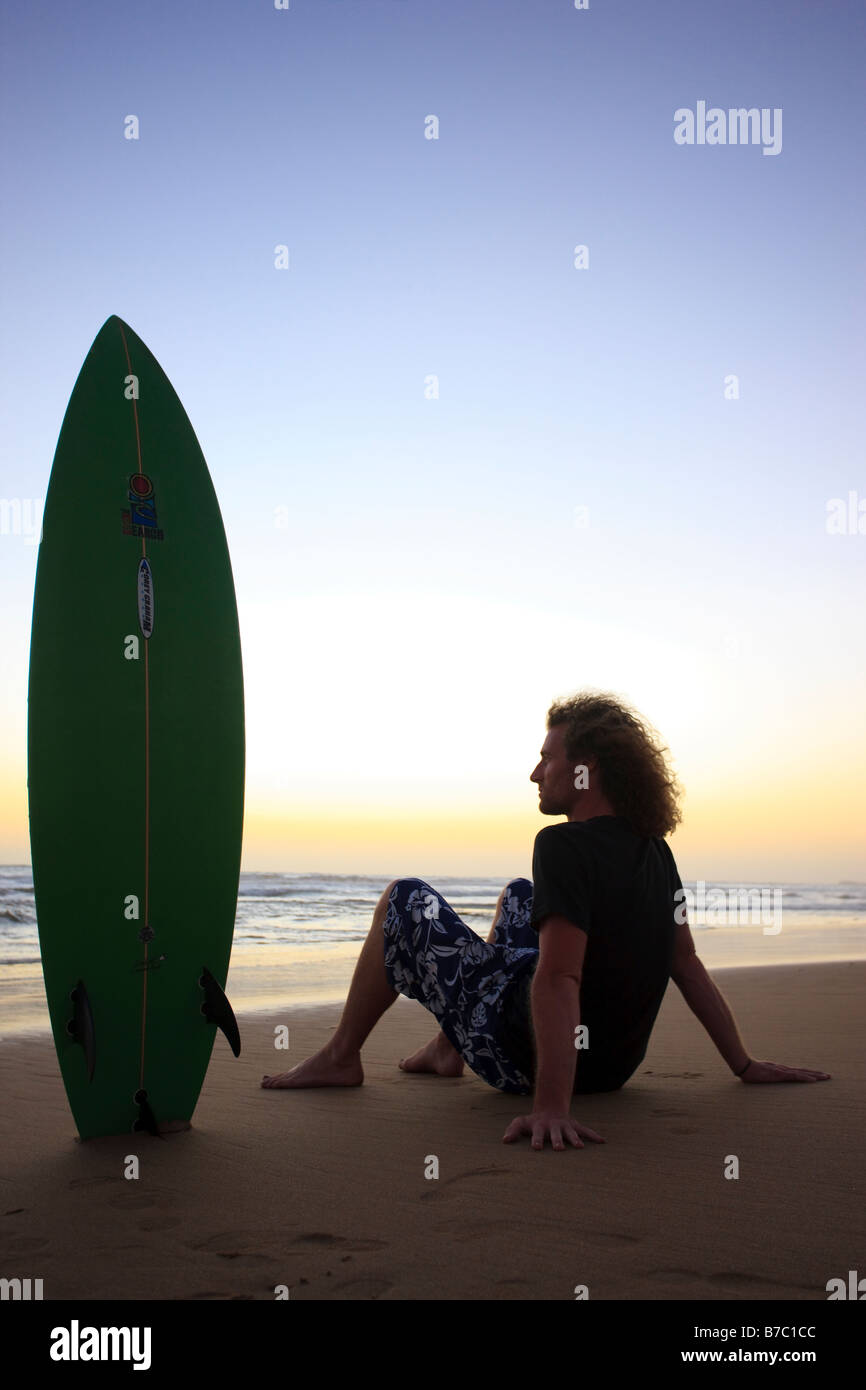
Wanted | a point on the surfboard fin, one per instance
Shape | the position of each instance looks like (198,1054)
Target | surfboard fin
(217,1009)
(146,1118)
(80,1026)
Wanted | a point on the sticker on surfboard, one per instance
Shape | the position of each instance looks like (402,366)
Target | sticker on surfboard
(145,598)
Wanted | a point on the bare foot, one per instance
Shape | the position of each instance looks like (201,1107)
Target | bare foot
(438,1056)
(322,1069)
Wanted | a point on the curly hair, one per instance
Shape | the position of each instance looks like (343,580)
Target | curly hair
(635,776)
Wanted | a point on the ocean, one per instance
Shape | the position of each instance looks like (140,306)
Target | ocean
(284,909)
(297,935)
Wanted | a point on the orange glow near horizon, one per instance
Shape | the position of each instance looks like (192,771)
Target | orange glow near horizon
(770,840)
(780,828)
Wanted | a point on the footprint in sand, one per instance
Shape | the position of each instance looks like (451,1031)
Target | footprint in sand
(489,1172)
(213,1296)
(739,1279)
(470,1230)
(733,1278)
(613,1238)
(159,1223)
(246,1257)
(325,1238)
(437,1191)
(233,1244)
(243,1246)
(135,1201)
(367,1287)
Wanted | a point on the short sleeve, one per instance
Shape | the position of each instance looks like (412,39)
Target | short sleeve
(678,894)
(561,879)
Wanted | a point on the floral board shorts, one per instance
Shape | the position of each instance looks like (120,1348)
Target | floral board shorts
(477,990)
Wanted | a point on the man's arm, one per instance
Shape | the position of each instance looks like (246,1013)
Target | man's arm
(708,1004)
(555,1016)
(706,1001)
(555,999)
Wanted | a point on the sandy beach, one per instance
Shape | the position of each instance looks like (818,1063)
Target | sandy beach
(325,1191)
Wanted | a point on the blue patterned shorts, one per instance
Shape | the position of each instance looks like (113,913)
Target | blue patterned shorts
(467,983)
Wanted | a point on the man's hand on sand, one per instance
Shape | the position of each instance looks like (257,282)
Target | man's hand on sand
(763,1072)
(542,1123)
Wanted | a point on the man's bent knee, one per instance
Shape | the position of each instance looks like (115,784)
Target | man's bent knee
(406,885)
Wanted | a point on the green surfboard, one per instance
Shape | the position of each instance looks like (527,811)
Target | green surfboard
(135,748)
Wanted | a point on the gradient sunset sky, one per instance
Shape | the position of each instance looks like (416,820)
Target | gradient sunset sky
(582,505)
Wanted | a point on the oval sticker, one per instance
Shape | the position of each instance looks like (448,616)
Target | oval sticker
(145,598)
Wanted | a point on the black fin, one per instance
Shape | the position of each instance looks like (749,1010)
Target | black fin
(146,1118)
(80,1026)
(217,1009)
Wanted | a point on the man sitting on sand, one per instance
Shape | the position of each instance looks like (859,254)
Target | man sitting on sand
(562,997)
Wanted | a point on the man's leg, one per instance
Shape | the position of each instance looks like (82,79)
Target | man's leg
(438,1056)
(339,1061)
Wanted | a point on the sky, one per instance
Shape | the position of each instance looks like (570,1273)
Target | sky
(464,467)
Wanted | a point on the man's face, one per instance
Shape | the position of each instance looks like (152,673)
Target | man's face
(555,775)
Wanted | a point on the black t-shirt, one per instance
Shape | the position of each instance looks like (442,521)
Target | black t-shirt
(618,887)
